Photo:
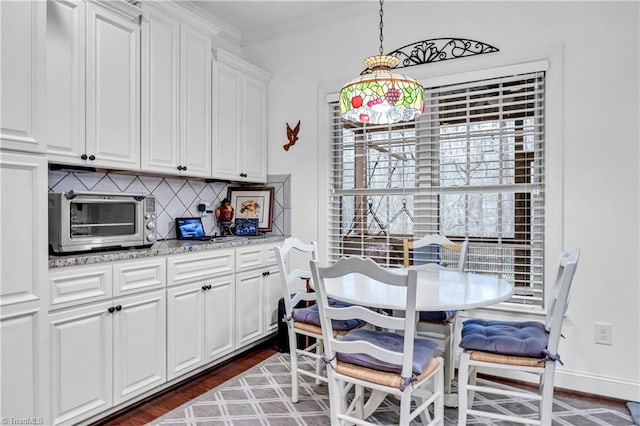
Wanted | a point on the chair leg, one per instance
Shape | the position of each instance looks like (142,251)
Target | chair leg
(293,351)
(463,377)
(546,404)
(320,353)
(405,408)
(337,400)
(438,406)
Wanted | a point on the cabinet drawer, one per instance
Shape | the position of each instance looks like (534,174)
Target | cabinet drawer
(254,256)
(186,268)
(79,284)
(249,257)
(139,275)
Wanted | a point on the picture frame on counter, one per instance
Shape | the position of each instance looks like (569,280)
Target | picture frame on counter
(253,202)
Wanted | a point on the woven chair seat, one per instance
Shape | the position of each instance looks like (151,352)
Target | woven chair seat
(524,361)
(383,378)
(310,328)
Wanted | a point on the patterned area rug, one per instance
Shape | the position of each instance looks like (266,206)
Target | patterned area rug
(261,396)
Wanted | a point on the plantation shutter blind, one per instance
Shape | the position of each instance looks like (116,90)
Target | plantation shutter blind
(471,167)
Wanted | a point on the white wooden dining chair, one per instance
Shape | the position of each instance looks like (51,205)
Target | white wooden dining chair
(526,346)
(303,321)
(387,363)
(293,294)
(433,252)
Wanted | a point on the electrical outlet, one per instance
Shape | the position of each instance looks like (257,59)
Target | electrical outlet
(603,333)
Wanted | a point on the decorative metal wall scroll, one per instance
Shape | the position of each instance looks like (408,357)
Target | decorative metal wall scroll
(438,49)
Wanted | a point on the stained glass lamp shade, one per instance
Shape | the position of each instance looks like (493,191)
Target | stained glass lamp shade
(381,97)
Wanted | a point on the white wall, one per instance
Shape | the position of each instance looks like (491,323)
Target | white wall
(596,55)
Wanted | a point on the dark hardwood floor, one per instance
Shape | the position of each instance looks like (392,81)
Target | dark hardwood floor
(148,410)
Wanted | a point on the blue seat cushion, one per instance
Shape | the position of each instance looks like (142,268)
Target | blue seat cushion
(436,316)
(422,350)
(310,315)
(520,338)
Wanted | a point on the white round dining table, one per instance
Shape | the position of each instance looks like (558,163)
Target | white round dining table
(437,290)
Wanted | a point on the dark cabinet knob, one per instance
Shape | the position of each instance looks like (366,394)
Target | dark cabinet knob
(111,309)
(83,156)
(266,274)
(204,288)
(92,157)
(118,308)
(243,175)
(184,168)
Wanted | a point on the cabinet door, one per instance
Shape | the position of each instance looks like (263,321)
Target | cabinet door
(23,226)
(219,310)
(185,332)
(22,58)
(81,362)
(273,292)
(249,307)
(113,87)
(139,345)
(195,102)
(24,294)
(254,138)
(24,357)
(65,81)
(228,127)
(160,92)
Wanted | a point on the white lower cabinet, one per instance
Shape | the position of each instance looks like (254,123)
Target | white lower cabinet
(200,309)
(120,330)
(200,323)
(257,293)
(105,353)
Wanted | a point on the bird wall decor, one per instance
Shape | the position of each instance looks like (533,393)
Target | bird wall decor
(292,136)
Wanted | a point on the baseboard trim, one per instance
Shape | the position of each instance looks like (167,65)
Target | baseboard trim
(574,381)
(611,387)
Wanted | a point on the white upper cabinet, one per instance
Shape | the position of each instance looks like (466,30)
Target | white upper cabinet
(176,96)
(93,82)
(22,61)
(65,81)
(240,120)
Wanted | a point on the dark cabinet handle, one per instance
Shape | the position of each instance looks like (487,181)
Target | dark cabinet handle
(243,175)
(266,274)
(184,168)
(204,288)
(92,157)
(111,309)
(179,167)
(118,308)
(83,157)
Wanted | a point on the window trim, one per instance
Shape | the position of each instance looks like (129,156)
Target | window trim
(554,151)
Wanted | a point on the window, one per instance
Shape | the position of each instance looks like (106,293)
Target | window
(471,167)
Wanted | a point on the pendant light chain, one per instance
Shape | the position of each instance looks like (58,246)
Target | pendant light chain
(381,25)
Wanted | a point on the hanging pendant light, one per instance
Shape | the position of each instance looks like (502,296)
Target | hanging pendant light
(380,96)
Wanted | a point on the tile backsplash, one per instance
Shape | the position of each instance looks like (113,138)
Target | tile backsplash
(175,196)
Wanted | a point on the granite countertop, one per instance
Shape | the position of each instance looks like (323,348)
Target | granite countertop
(161,248)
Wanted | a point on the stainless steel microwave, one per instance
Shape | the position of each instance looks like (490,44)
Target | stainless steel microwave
(84,221)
